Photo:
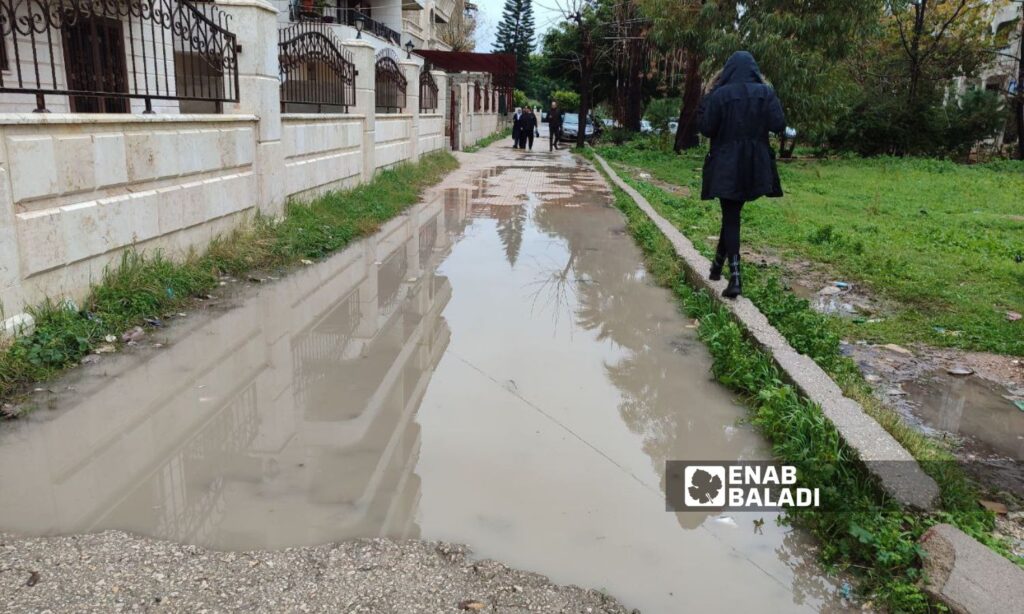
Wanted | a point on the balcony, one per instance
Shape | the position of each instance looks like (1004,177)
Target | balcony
(445,8)
(308,11)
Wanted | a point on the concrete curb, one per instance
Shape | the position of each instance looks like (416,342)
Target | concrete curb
(896,469)
(967,576)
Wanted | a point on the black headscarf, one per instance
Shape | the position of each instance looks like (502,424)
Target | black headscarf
(741,68)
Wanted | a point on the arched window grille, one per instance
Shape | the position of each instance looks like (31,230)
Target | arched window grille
(390,83)
(102,54)
(428,90)
(315,70)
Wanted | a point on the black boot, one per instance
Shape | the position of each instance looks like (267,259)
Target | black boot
(716,265)
(735,287)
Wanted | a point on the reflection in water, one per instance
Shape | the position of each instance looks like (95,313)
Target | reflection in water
(494,368)
(286,421)
(972,407)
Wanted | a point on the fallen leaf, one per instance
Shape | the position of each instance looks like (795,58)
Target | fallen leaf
(1013,316)
(306,262)
(471,604)
(106,348)
(993,506)
(110,338)
(33,579)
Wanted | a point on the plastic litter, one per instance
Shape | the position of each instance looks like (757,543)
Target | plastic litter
(726,520)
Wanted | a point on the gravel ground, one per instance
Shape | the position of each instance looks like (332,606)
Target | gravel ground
(117,572)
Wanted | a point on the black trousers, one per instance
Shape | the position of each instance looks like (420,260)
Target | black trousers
(524,139)
(729,235)
(555,134)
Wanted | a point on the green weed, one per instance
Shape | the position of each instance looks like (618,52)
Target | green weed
(487,140)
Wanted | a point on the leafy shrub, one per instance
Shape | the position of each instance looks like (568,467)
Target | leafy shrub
(567,101)
(661,111)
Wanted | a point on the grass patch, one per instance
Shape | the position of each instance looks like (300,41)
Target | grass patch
(487,140)
(941,243)
(863,531)
(148,285)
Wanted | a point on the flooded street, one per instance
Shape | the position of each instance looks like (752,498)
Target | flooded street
(493,368)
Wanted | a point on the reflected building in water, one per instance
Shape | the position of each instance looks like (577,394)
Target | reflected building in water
(286,420)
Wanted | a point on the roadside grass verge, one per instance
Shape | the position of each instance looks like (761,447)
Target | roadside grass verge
(146,285)
(941,244)
(860,529)
(487,140)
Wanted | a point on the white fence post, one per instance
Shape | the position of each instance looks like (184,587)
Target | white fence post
(259,91)
(366,102)
(411,71)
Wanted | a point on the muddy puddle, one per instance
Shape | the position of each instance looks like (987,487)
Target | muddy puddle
(493,368)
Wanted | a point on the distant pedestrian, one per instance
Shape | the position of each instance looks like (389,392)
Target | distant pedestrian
(517,124)
(554,126)
(737,115)
(528,129)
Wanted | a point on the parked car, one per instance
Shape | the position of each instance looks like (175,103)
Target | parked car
(571,127)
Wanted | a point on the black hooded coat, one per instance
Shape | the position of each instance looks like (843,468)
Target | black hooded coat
(737,116)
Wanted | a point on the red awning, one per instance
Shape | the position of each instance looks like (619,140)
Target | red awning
(502,66)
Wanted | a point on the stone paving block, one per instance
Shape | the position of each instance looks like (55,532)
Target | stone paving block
(968,577)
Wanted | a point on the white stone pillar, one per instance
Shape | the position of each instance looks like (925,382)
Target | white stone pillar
(259,89)
(366,102)
(411,71)
(466,110)
(12,298)
(441,79)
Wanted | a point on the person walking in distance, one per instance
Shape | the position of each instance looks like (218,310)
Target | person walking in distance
(517,125)
(737,115)
(527,129)
(554,126)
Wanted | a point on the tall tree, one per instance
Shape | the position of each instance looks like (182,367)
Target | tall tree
(516,36)
(693,26)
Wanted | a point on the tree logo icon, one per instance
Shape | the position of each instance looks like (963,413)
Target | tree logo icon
(705,486)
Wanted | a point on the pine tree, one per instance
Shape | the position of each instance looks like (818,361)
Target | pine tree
(516,35)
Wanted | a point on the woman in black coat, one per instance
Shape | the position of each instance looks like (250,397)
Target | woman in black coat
(517,123)
(737,116)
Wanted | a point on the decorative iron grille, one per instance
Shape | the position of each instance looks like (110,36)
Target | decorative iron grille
(315,71)
(390,83)
(428,90)
(476,96)
(103,53)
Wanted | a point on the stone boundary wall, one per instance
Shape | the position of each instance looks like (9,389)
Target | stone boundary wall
(76,190)
(321,153)
(895,468)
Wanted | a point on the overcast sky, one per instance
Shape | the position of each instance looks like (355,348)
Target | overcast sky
(545,15)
